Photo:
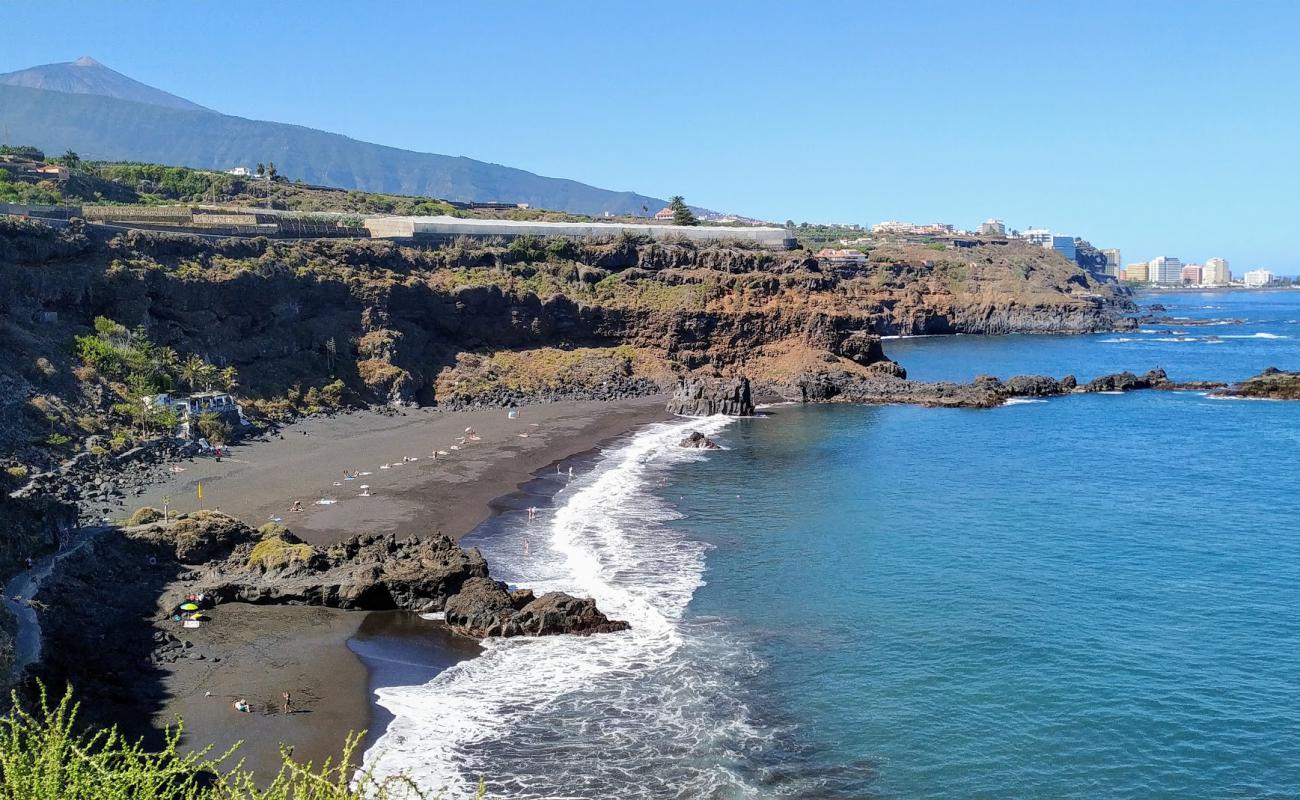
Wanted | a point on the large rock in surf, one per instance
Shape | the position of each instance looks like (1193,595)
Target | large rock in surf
(699,441)
(702,397)
(485,608)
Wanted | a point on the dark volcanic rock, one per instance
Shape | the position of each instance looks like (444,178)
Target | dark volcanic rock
(985,391)
(211,553)
(365,572)
(1127,381)
(1271,384)
(700,397)
(485,608)
(699,441)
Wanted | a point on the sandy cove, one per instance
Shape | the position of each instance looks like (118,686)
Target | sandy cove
(258,652)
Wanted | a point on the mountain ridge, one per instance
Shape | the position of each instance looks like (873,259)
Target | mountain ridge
(105,127)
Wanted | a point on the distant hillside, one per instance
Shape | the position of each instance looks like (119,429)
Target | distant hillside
(88,76)
(115,129)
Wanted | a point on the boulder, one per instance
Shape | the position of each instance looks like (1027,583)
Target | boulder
(699,441)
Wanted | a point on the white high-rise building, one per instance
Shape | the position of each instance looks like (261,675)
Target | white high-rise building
(1166,270)
(1257,278)
(993,227)
(1216,272)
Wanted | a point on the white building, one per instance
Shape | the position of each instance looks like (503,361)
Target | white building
(1257,277)
(239,172)
(1216,272)
(1165,270)
(993,227)
(1039,236)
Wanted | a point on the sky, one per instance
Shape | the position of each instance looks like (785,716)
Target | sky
(1161,128)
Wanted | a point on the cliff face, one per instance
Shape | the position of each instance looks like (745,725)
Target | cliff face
(496,324)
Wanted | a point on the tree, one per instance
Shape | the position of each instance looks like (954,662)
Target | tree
(261,169)
(229,379)
(208,376)
(271,172)
(69,159)
(191,371)
(682,214)
(212,427)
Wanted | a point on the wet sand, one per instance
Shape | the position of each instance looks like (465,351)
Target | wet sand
(332,660)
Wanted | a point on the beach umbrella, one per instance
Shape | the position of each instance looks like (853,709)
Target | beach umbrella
(189,607)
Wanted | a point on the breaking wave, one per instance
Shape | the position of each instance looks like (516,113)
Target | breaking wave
(657,711)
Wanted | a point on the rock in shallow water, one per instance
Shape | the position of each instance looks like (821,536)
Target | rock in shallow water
(699,441)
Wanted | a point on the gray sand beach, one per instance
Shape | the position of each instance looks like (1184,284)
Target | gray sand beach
(263,650)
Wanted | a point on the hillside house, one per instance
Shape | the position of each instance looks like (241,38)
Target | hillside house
(188,408)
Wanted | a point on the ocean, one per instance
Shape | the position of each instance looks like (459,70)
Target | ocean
(1088,596)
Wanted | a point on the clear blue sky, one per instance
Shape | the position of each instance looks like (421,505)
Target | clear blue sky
(1163,128)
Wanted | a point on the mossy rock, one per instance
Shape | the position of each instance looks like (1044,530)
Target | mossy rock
(274,552)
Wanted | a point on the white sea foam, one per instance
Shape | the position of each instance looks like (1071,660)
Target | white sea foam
(1021,401)
(1260,335)
(529,713)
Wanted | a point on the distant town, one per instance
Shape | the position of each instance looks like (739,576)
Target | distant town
(1162,271)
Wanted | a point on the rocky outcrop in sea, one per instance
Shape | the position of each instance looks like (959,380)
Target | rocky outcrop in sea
(703,397)
(1271,384)
(984,392)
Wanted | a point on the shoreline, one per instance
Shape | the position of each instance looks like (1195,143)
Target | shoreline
(335,660)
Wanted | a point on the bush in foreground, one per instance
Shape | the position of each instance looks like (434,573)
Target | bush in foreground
(43,755)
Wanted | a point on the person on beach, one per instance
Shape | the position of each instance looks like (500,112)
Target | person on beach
(296,507)
(288,703)
(241,705)
(532,513)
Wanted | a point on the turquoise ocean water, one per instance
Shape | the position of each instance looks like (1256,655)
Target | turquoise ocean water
(1091,596)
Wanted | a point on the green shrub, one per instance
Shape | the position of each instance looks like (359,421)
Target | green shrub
(144,515)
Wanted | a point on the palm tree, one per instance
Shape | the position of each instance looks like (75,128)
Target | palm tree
(192,370)
(229,379)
